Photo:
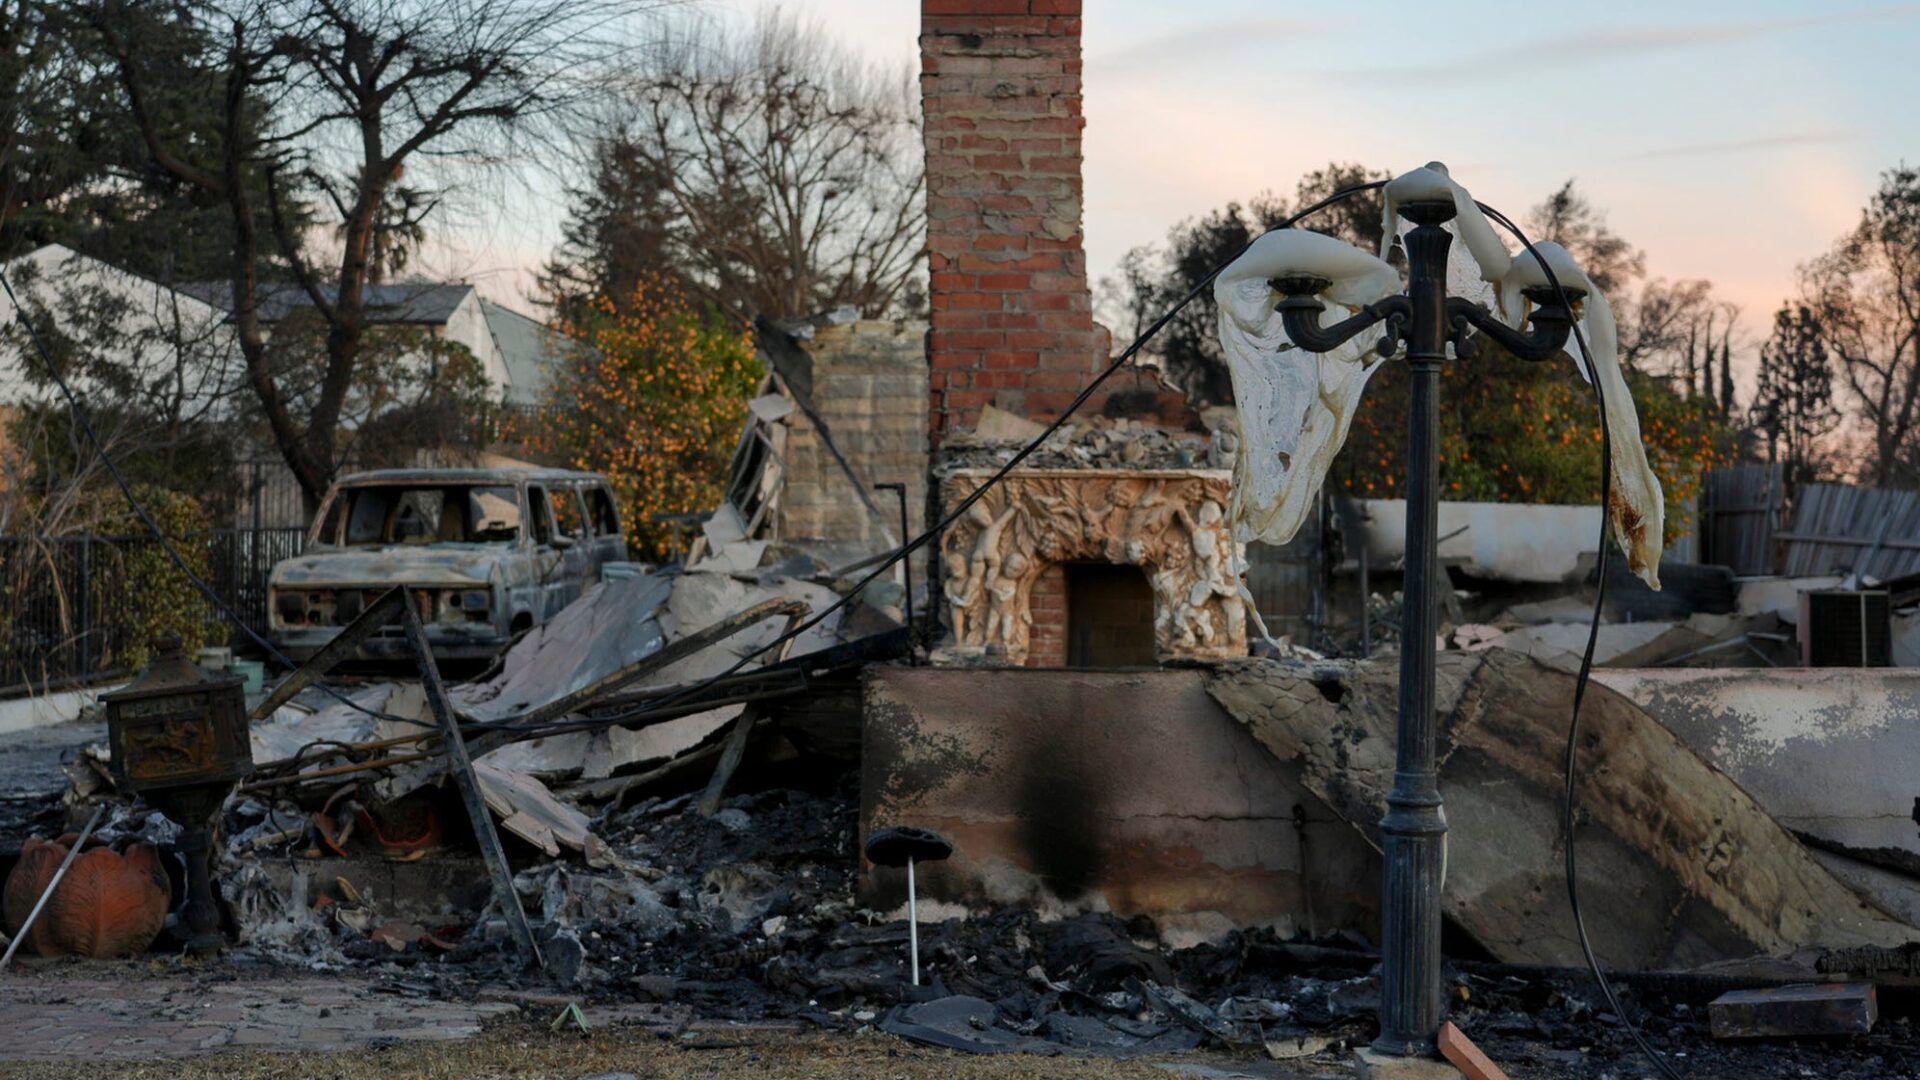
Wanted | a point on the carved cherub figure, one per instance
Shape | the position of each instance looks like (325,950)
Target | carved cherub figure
(963,596)
(1006,619)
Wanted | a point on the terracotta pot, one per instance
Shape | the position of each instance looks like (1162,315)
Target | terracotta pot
(111,903)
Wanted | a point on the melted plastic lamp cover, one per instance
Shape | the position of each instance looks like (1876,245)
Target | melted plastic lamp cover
(1638,508)
(1430,182)
(1293,407)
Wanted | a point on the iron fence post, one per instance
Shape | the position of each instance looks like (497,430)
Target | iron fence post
(86,603)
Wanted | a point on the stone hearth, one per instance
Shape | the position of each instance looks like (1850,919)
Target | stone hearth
(1170,523)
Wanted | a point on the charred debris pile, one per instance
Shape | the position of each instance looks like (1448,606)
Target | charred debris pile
(671,830)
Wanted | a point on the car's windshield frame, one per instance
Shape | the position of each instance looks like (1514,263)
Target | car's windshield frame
(341,524)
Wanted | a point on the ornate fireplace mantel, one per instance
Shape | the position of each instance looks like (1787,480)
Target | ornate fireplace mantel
(1171,523)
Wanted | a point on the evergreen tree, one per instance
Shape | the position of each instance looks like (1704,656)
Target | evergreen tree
(1793,402)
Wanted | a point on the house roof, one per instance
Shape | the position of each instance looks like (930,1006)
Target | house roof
(409,303)
(529,348)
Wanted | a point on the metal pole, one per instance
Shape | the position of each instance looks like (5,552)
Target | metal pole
(1413,833)
(913,922)
(468,784)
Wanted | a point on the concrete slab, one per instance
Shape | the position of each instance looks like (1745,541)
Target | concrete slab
(1368,1065)
(1130,792)
(1826,751)
(1679,866)
(45,710)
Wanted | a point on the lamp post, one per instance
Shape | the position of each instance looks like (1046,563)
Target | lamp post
(1414,830)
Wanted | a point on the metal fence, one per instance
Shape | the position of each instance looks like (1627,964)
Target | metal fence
(1288,582)
(70,607)
(1839,529)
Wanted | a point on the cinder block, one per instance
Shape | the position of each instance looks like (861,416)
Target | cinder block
(1371,1065)
(1800,1009)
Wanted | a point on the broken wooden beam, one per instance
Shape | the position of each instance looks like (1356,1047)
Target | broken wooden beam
(1468,1058)
(1799,1009)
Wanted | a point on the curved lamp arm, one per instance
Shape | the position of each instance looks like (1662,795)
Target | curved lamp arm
(1549,324)
(1301,309)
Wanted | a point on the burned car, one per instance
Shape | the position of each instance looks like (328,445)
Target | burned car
(487,553)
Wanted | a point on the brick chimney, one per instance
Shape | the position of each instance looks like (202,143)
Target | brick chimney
(1012,320)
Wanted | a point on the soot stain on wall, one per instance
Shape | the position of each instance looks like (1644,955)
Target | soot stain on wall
(1059,804)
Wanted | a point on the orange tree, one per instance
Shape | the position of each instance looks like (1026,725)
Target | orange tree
(655,402)
(1519,432)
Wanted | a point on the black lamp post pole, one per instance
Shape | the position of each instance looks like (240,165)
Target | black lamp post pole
(1414,831)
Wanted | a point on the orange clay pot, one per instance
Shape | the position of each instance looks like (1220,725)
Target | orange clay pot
(110,903)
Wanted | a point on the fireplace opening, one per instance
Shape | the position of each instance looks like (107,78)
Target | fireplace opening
(1109,616)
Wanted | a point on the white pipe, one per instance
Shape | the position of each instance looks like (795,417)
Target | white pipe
(72,852)
(913,923)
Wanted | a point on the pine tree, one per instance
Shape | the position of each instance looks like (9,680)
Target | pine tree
(1793,404)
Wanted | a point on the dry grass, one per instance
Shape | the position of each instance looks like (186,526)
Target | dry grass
(526,1050)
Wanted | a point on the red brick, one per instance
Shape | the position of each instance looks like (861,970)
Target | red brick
(1044,261)
(1011,320)
(948,280)
(1058,380)
(962,340)
(968,399)
(981,7)
(1033,339)
(1069,165)
(1004,282)
(975,301)
(1005,242)
(1056,7)
(1003,360)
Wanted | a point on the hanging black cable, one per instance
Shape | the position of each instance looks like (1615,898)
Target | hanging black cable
(1570,764)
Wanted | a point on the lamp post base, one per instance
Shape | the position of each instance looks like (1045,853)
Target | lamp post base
(1371,1064)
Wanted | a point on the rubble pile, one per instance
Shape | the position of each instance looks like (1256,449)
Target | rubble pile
(751,914)
(1098,443)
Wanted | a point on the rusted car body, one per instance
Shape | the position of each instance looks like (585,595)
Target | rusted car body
(487,554)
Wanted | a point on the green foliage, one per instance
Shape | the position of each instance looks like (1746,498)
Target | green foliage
(147,595)
(1522,432)
(657,406)
(72,161)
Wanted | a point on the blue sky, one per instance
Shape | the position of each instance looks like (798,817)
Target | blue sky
(1731,141)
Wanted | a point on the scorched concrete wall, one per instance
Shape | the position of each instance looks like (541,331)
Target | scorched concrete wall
(1130,792)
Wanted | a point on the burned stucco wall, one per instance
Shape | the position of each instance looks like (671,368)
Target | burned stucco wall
(869,388)
(1829,752)
(1129,792)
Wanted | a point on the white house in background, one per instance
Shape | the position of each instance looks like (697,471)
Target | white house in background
(157,330)
(516,352)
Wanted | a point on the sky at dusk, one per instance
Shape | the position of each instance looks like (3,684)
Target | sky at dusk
(1731,141)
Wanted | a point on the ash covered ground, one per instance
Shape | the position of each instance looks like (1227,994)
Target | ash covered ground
(752,915)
